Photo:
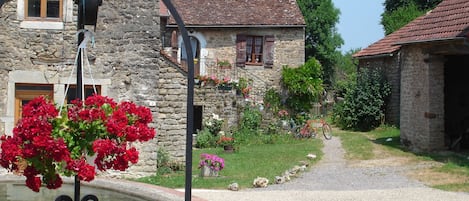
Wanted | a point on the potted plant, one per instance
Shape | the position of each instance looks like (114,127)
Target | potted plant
(227,143)
(224,84)
(224,64)
(210,165)
(48,143)
(243,87)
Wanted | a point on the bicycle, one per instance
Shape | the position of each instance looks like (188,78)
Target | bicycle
(310,129)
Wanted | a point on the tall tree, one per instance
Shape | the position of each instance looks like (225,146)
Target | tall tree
(322,39)
(398,13)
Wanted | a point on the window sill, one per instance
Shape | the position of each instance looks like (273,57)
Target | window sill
(41,25)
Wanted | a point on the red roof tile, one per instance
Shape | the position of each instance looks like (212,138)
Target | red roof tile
(239,12)
(449,20)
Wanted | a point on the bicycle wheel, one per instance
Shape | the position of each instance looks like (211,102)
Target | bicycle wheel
(327,131)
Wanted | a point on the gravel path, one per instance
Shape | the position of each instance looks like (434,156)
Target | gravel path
(333,179)
(332,173)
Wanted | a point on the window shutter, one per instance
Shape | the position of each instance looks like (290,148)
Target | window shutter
(269,51)
(240,50)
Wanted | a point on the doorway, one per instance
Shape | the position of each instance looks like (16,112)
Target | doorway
(457,102)
(196,53)
(198,115)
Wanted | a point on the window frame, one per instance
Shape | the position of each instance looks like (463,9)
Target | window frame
(29,94)
(268,51)
(253,55)
(43,12)
(86,87)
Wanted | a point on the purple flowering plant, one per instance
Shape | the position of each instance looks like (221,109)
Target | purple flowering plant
(214,162)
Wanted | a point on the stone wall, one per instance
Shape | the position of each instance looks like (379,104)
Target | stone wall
(125,60)
(422,99)
(390,66)
(220,44)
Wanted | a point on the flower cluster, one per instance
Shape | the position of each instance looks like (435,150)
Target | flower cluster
(283,114)
(214,162)
(214,80)
(213,124)
(225,140)
(46,143)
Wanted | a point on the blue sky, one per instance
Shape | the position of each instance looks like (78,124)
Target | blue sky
(359,23)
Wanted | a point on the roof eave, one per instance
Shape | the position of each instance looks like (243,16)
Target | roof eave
(376,56)
(430,40)
(241,26)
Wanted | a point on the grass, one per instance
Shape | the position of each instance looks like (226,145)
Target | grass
(361,145)
(243,166)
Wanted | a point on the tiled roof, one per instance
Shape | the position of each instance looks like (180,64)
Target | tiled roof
(449,20)
(387,45)
(218,13)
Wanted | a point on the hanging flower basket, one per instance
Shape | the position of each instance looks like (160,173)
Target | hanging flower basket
(225,87)
(47,143)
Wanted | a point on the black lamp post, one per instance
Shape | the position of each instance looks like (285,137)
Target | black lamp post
(190,97)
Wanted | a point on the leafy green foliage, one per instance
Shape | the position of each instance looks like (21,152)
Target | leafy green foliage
(363,107)
(346,73)
(272,100)
(394,20)
(400,12)
(205,139)
(322,38)
(304,84)
(251,118)
(392,5)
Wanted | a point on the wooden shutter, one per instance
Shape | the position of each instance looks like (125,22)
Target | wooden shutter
(269,51)
(240,50)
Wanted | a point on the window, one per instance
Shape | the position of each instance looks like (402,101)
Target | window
(27,92)
(43,9)
(89,90)
(255,50)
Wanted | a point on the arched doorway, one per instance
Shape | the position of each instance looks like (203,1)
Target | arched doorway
(196,53)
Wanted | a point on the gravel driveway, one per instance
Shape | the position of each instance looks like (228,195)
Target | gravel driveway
(333,179)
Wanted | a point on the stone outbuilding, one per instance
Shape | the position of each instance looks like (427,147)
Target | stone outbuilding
(426,63)
(134,58)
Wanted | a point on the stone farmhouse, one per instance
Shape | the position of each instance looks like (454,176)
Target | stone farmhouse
(138,57)
(426,65)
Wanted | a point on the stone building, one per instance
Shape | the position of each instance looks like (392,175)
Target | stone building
(426,64)
(38,46)
(253,40)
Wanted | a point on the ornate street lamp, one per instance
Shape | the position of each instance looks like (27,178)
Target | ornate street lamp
(190,97)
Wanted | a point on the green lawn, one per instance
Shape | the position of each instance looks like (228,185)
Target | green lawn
(247,163)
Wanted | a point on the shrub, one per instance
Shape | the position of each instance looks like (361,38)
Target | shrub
(304,85)
(272,100)
(205,139)
(363,106)
(162,162)
(213,124)
(251,118)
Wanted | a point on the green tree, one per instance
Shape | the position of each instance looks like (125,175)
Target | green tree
(322,39)
(346,70)
(304,85)
(392,5)
(398,13)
